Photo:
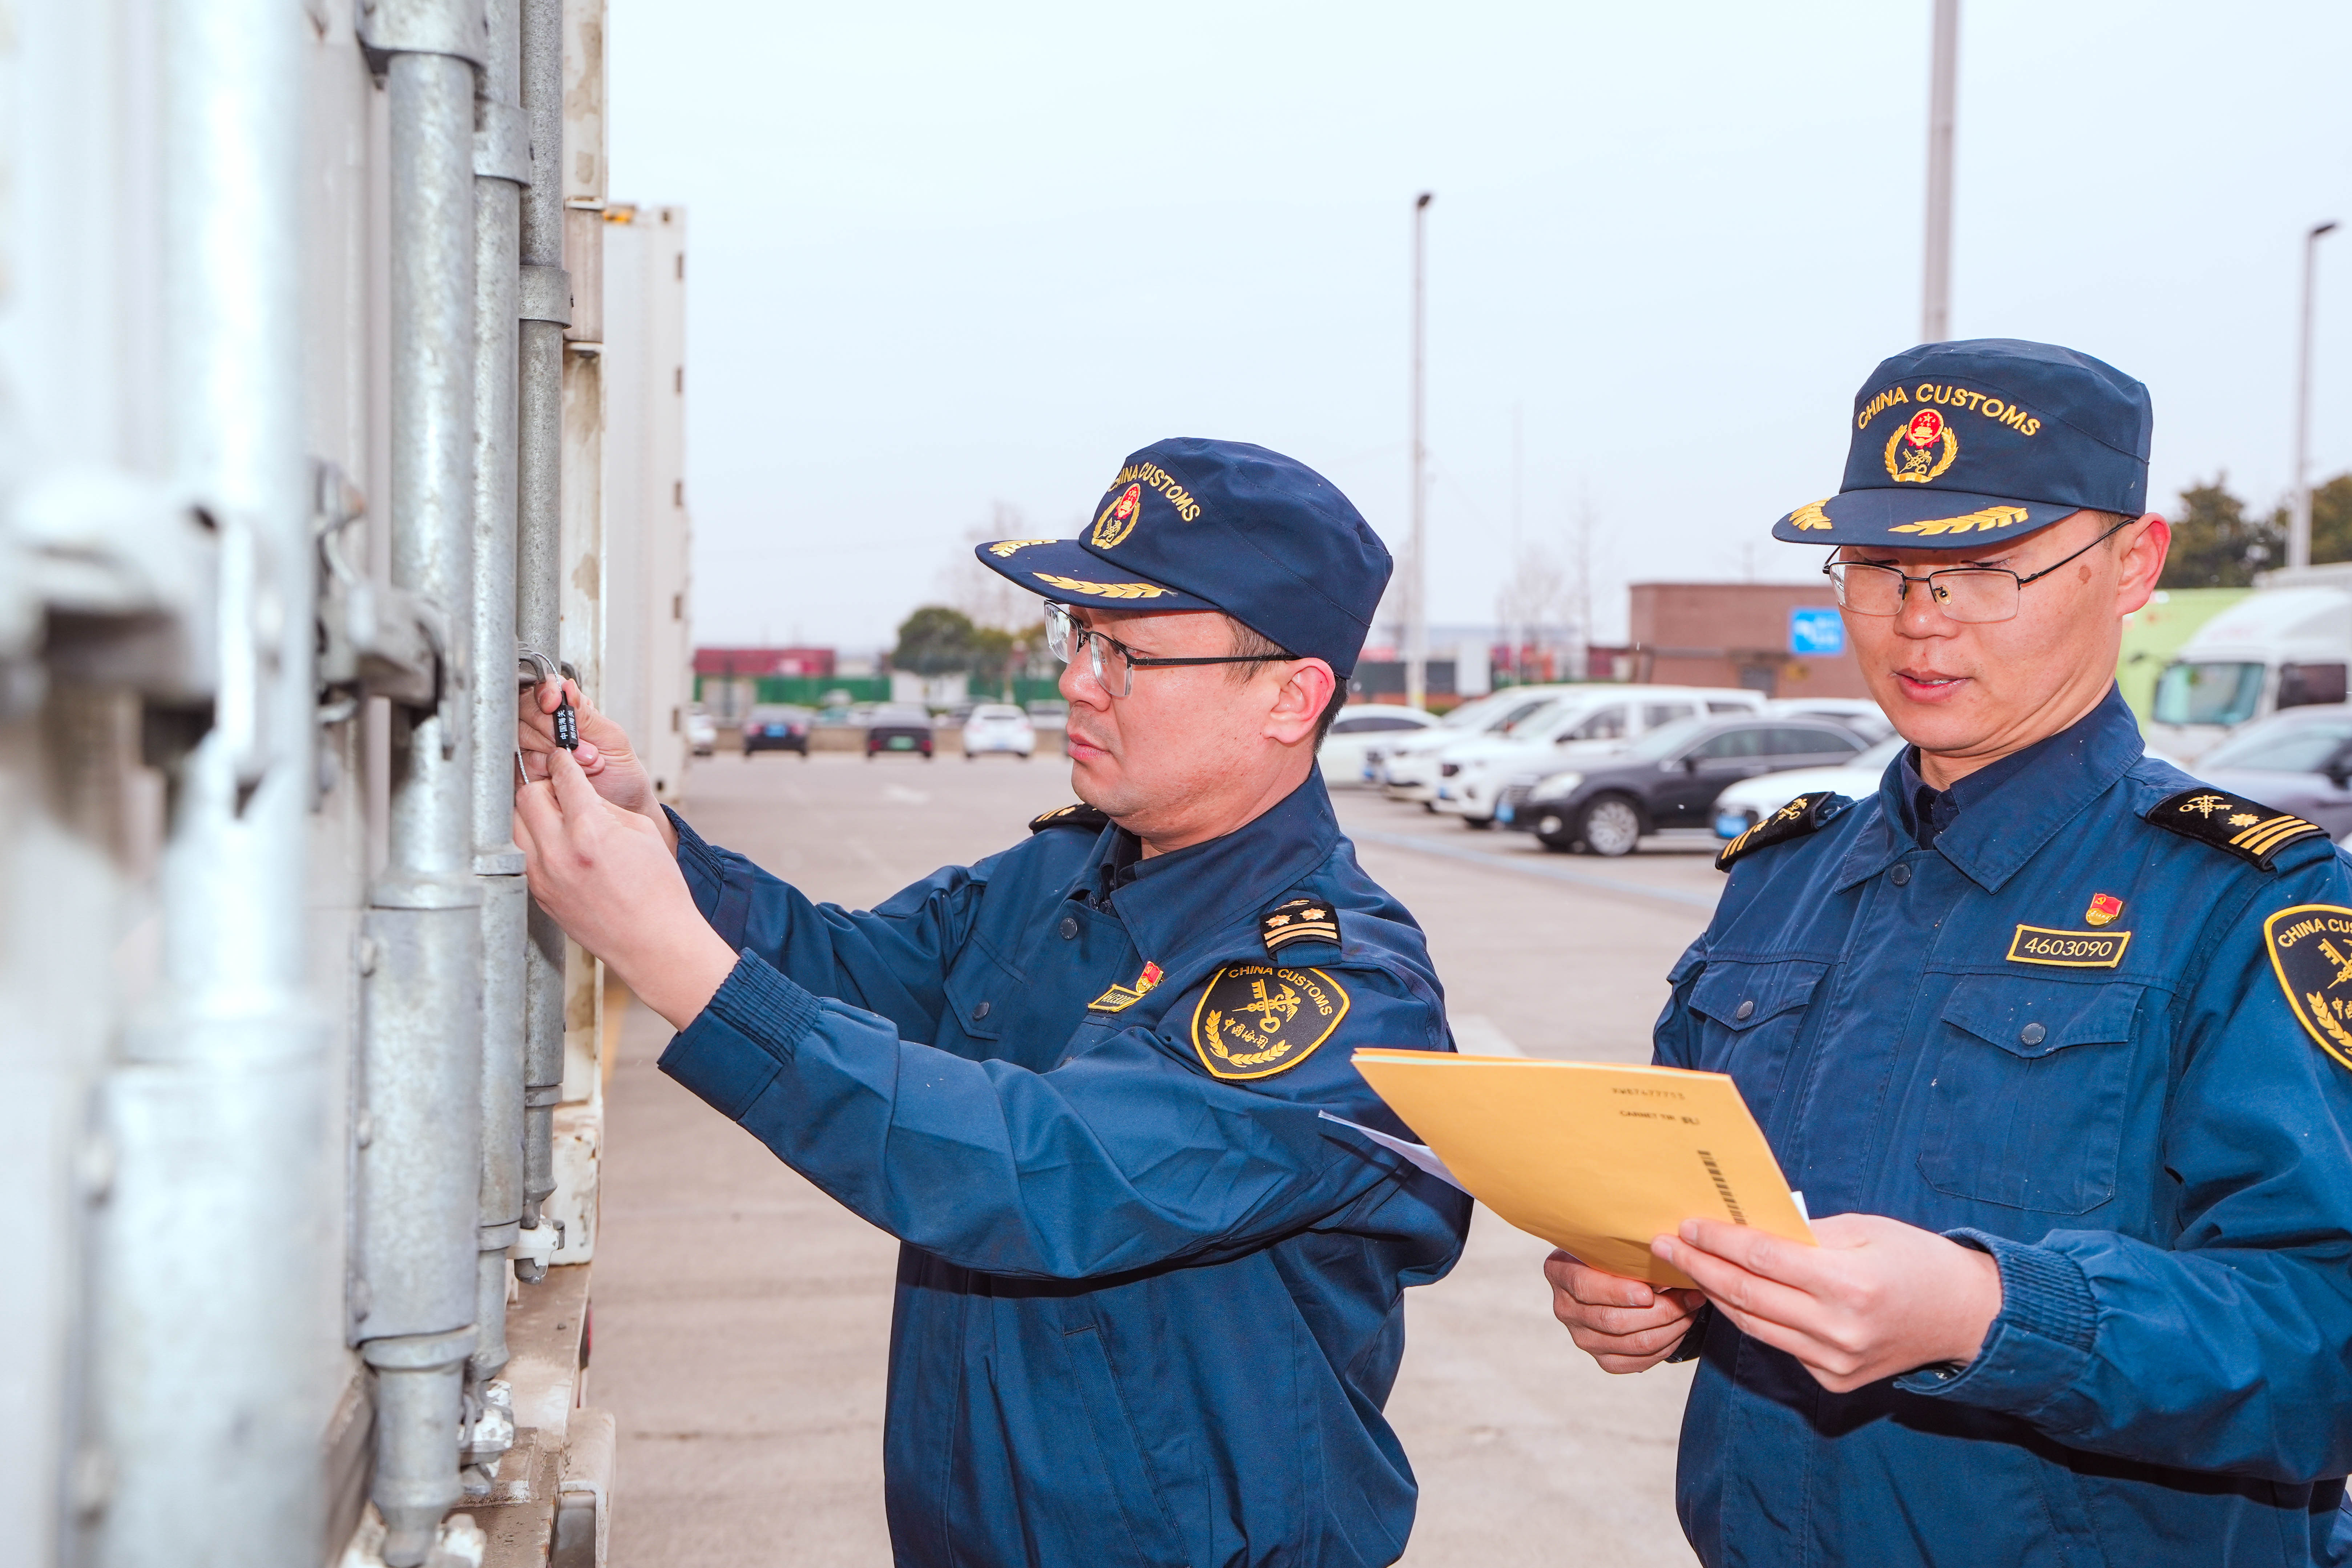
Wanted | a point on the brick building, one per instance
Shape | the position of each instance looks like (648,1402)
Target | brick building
(1784,639)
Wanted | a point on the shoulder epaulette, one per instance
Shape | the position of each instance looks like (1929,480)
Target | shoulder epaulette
(1806,813)
(1298,920)
(1078,814)
(2250,830)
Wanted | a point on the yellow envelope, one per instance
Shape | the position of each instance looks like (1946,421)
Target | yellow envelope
(1594,1157)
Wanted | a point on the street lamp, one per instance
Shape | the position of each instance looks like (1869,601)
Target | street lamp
(1416,619)
(1935,282)
(2298,527)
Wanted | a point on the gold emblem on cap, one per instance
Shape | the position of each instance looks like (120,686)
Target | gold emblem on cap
(1926,448)
(1119,518)
(1102,590)
(1810,515)
(1990,518)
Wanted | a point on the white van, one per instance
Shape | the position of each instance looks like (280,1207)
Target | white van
(1406,768)
(2279,648)
(1593,720)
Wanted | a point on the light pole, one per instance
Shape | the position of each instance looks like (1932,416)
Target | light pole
(1416,576)
(1936,291)
(2298,527)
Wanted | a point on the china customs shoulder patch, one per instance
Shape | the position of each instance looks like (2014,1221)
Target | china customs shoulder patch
(1256,1020)
(2248,829)
(2311,953)
(1300,920)
(1806,813)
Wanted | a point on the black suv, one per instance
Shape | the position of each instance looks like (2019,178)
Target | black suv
(1668,778)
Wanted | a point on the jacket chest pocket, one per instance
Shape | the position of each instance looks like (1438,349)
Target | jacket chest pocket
(1748,1015)
(2026,1106)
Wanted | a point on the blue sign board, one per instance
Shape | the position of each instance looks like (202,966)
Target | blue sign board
(1816,631)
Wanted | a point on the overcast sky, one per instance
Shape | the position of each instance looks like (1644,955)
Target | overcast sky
(947,259)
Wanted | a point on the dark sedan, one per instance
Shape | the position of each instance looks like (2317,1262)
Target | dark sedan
(2300,761)
(777,727)
(899,729)
(1668,778)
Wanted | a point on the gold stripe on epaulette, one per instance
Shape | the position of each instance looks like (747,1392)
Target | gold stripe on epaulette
(2265,837)
(1329,933)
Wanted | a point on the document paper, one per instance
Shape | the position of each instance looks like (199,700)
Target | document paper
(1593,1157)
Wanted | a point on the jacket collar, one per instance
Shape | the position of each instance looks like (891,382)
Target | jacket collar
(2009,810)
(1188,896)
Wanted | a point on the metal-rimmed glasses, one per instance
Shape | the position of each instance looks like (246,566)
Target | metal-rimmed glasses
(1973,593)
(1112,662)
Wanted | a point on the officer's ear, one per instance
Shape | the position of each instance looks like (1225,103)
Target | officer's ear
(1306,689)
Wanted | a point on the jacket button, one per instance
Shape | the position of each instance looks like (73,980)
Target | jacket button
(979,1011)
(2032,1033)
(1746,1010)
(1900,875)
(1069,927)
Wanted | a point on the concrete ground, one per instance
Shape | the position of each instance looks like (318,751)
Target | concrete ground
(741,1317)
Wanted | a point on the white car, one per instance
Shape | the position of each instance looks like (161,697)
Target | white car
(1360,729)
(701,731)
(1744,804)
(1406,768)
(1597,720)
(998,727)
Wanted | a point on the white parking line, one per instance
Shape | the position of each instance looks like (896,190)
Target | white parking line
(1532,866)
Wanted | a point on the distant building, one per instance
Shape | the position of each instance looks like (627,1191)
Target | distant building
(755,662)
(1784,639)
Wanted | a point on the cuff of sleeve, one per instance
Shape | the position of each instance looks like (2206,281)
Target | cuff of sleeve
(692,852)
(2039,1342)
(735,1047)
(1694,1342)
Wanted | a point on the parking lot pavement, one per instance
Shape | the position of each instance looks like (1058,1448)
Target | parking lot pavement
(743,1317)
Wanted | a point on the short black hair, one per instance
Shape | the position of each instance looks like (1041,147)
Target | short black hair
(1249,644)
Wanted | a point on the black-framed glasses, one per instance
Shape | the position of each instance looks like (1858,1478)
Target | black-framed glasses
(1112,662)
(1973,593)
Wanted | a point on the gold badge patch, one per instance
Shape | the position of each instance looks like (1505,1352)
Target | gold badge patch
(2311,953)
(2068,949)
(1119,998)
(1922,449)
(1117,520)
(1256,1020)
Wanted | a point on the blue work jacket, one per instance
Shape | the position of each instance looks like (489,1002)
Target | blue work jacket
(1149,1301)
(2144,1134)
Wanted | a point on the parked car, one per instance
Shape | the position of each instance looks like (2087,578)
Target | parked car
(1670,778)
(1359,727)
(1859,714)
(2298,761)
(1748,803)
(891,728)
(1593,721)
(777,727)
(701,731)
(999,726)
(1406,767)
(1049,713)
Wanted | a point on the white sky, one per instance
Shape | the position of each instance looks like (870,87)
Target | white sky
(946,256)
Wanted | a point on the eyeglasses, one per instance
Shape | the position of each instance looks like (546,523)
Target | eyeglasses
(1113,663)
(1962,593)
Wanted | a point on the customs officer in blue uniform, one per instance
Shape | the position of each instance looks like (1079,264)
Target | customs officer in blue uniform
(1149,1301)
(2055,1040)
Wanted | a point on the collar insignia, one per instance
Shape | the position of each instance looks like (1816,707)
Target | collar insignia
(1300,920)
(1256,1020)
(2311,953)
(2104,908)
(2246,828)
(1078,814)
(1806,813)
(1119,998)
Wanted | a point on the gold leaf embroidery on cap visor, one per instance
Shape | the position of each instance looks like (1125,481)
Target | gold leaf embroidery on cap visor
(1103,590)
(1990,518)
(1005,547)
(1810,515)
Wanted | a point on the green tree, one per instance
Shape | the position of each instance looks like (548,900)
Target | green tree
(2331,520)
(936,640)
(2216,546)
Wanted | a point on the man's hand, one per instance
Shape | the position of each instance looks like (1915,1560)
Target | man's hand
(605,877)
(1877,1299)
(1623,1324)
(605,755)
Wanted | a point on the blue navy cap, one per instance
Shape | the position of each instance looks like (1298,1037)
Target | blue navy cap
(1954,442)
(1193,525)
